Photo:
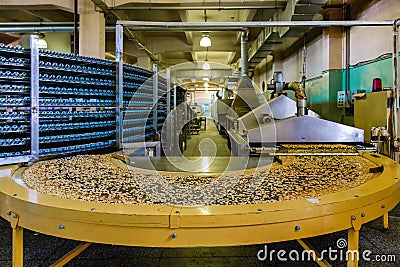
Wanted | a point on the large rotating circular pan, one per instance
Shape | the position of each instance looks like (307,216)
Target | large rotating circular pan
(169,226)
(212,164)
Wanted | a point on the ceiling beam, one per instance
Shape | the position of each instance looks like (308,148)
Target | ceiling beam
(104,7)
(194,56)
(248,16)
(38,5)
(189,35)
(200,5)
(170,44)
(36,14)
(231,58)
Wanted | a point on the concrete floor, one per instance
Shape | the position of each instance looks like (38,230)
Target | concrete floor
(207,149)
(42,250)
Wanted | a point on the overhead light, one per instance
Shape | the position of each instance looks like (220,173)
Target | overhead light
(206,79)
(42,43)
(205,40)
(206,65)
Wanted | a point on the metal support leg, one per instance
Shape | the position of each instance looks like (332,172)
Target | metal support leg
(386,220)
(353,237)
(70,255)
(307,246)
(17,247)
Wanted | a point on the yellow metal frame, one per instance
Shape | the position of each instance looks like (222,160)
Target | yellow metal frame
(171,226)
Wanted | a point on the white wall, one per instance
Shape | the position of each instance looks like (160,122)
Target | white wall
(371,42)
(58,41)
(292,68)
(316,60)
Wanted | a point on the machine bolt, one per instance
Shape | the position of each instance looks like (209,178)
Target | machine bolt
(259,209)
(363,215)
(15,216)
(383,206)
(173,235)
(297,228)
(60,227)
(9,213)
(353,218)
(14,195)
(177,212)
(92,209)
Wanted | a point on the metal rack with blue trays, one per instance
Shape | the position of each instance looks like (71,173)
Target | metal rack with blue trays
(14,102)
(162,111)
(77,100)
(76,104)
(137,104)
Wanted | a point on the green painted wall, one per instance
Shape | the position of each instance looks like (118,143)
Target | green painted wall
(361,76)
(322,91)
(316,95)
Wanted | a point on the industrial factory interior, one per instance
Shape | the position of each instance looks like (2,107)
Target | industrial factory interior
(199,133)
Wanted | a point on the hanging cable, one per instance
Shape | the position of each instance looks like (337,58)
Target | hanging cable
(304,71)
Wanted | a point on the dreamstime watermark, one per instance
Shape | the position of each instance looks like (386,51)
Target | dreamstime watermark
(340,253)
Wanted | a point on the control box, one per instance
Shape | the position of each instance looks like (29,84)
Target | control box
(343,95)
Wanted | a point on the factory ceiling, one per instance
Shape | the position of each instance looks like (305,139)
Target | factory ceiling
(171,48)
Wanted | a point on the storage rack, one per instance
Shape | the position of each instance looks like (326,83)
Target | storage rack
(77,97)
(175,132)
(148,107)
(54,103)
(163,106)
(14,104)
(137,104)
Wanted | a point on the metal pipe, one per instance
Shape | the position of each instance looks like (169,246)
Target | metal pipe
(347,51)
(75,27)
(252,24)
(395,108)
(244,53)
(17,24)
(202,7)
(192,29)
(301,98)
(27,29)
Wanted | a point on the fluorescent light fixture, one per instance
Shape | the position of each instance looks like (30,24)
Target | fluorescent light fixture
(205,40)
(206,79)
